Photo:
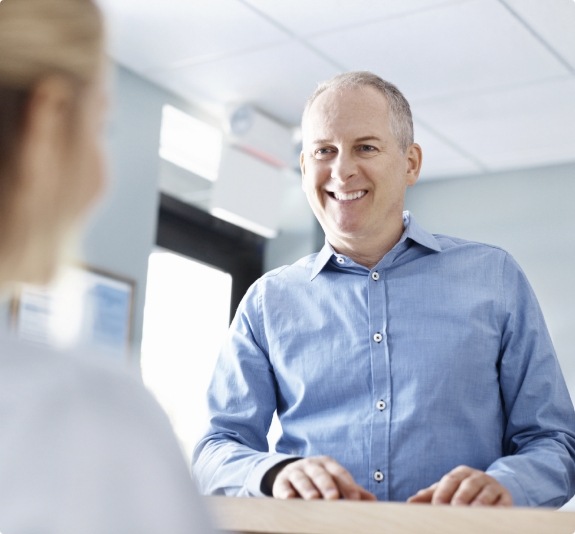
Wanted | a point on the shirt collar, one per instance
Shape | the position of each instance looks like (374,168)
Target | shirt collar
(412,231)
(416,233)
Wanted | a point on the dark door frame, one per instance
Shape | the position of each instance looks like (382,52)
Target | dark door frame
(193,232)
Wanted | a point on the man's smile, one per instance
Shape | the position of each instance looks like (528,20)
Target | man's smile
(353,195)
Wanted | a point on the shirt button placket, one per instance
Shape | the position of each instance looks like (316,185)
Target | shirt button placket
(379,452)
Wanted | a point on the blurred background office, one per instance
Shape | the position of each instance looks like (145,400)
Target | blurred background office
(206,97)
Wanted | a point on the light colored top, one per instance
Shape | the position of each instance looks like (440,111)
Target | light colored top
(436,357)
(85,449)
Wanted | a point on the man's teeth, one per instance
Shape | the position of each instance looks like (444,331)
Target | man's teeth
(348,196)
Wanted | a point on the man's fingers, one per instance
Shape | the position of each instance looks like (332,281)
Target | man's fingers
(282,489)
(475,486)
(448,485)
(465,486)
(293,481)
(304,485)
(307,478)
(423,496)
(320,476)
(480,489)
(365,495)
(491,494)
(505,499)
(317,478)
(347,486)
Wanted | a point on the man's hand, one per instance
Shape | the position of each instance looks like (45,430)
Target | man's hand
(465,486)
(318,477)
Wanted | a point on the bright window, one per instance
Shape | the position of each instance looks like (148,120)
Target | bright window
(186,317)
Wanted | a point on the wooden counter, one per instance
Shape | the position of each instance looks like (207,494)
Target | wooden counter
(265,515)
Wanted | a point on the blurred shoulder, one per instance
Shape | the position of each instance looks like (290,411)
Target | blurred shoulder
(76,379)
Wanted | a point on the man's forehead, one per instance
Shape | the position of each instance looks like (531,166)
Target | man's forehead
(349,96)
(335,102)
(359,111)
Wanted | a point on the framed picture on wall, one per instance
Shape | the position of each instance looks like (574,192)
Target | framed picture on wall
(83,307)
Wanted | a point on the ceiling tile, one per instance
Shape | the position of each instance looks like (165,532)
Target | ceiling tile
(304,18)
(461,47)
(160,33)
(553,21)
(527,126)
(276,80)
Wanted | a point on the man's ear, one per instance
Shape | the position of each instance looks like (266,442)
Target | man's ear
(414,159)
(46,129)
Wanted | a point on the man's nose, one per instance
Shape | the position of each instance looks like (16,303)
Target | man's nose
(343,167)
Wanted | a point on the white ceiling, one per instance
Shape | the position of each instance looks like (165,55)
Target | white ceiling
(491,82)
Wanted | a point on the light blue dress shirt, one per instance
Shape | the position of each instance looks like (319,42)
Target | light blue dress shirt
(438,356)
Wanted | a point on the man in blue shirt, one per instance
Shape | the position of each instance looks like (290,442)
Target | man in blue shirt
(402,365)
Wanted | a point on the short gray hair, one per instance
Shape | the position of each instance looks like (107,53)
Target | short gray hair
(400,118)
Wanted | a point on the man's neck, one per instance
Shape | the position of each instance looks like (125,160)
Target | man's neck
(367,251)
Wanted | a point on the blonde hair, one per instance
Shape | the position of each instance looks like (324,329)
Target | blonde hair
(41,37)
(38,39)
(400,118)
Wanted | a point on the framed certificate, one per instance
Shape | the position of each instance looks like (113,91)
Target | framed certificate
(84,306)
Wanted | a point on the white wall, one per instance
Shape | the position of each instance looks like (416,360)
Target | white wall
(297,234)
(530,214)
(121,232)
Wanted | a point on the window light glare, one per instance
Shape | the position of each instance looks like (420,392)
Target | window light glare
(185,318)
(190,143)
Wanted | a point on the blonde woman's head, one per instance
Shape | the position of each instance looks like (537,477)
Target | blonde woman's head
(39,37)
(51,109)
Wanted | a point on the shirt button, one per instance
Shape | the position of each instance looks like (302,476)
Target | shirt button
(378,476)
(340,260)
(381,405)
(375,275)
(377,337)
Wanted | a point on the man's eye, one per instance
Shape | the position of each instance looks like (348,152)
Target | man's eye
(323,152)
(367,148)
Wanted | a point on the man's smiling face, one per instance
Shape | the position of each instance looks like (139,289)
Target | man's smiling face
(353,171)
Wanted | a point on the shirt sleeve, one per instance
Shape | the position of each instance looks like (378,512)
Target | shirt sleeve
(233,456)
(538,466)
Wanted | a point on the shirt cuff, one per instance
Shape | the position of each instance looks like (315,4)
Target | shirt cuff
(254,481)
(507,480)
